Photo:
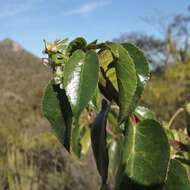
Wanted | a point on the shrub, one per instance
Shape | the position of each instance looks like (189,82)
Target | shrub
(93,98)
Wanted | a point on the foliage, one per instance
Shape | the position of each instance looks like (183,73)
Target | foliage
(104,82)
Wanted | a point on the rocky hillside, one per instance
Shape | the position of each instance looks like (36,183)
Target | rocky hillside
(22,79)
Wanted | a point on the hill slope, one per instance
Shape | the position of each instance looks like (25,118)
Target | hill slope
(22,79)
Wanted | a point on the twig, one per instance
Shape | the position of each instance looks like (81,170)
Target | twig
(180,110)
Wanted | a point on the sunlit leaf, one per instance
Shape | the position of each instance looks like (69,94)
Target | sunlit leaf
(142,69)
(105,58)
(144,113)
(126,78)
(80,79)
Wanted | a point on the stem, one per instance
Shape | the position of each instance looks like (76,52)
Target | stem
(180,110)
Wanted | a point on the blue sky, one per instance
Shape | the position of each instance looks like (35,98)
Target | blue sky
(31,21)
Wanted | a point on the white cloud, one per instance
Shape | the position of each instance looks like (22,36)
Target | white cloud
(87,8)
(13,8)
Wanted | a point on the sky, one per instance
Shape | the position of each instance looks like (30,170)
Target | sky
(30,21)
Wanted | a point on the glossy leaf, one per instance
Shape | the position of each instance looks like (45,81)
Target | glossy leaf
(178,178)
(57,110)
(126,78)
(80,79)
(98,139)
(144,113)
(146,155)
(142,69)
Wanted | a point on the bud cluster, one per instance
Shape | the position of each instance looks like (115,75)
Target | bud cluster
(57,56)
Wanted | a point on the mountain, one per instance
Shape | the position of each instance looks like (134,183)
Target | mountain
(22,79)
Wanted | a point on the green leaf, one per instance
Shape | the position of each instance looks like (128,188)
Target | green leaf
(80,79)
(144,113)
(98,139)
(111,74)
(115,154)
(126,78)
(178,178)
(146,156)
(57,110)
(106,62)
(142,69)
(140,61)
(105,58)
(78,43)
(96,99)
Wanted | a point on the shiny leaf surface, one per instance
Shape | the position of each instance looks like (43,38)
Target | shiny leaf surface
(80,79)
(144,113)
